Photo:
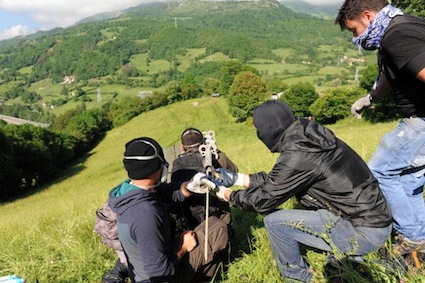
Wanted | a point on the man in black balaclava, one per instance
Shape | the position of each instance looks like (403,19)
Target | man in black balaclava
(345,208)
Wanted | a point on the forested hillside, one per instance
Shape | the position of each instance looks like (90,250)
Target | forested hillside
(240,30)
(102,72)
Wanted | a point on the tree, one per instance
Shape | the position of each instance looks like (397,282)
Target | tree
(334,105)
(87,128)
(9,173)
(211,86)
(190,90)
(124,109)
(369,75)
(414,7)
(65,92)
(247,91)
(129,70)
(30,97)
(276,85)
(299,97)
(228,72)
(173,91)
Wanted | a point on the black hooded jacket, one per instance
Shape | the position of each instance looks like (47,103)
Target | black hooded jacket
(321,171)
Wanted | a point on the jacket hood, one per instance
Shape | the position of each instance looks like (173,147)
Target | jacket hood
(271,119)
(308,136)
(125,193)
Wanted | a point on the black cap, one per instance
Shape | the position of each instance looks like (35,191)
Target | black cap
(142,157)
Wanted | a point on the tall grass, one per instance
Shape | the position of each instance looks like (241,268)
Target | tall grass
(48,235)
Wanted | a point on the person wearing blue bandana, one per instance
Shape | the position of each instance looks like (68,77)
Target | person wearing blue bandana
(399,161)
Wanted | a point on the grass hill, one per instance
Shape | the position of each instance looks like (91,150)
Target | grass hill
(49,235)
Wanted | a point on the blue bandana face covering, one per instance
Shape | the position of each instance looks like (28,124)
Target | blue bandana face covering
(371,38)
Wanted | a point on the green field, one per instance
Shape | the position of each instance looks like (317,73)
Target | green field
(48,235)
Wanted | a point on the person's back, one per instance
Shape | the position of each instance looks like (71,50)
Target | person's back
(405,38)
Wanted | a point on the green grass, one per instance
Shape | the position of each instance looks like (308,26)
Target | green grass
(330,70)
(139,60)
(48,235)
(156,66)
(280,68)
(284,52)
(216,57)
(187,59)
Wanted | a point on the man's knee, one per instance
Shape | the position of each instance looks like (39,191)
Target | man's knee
(219,232)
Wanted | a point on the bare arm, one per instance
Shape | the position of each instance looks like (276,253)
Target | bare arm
(421,75)
(382,88)
(184,189)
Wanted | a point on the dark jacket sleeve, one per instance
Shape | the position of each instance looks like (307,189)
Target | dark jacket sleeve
(225,162)
(170,192)
(268,191)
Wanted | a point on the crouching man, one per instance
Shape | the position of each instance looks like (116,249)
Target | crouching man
(345,210)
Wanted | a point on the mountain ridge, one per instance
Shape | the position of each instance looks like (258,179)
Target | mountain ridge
(324,11)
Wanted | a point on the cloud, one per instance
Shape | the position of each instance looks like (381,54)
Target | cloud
(51,14)
(18,30)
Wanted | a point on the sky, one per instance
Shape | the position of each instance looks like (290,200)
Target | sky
(23,17)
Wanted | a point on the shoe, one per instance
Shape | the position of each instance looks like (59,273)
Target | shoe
(404,245)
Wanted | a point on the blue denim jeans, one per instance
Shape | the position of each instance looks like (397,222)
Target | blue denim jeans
(320,229)
(399,165)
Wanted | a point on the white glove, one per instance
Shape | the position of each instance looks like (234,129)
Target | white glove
(199,176)
(360,105)
(219,192)
(200,184)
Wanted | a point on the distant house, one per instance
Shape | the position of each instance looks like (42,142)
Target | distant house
(144,94)
(350,61)
(69,80)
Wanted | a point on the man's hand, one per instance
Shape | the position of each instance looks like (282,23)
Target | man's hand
(199,176)
(220,192)
(360,105)
(200,184)
(226,177)
(189,241)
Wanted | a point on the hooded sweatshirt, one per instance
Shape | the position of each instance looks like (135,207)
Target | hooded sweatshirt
(144,230)
(320,170)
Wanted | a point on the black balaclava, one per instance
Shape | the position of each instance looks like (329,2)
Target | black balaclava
(271,119)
